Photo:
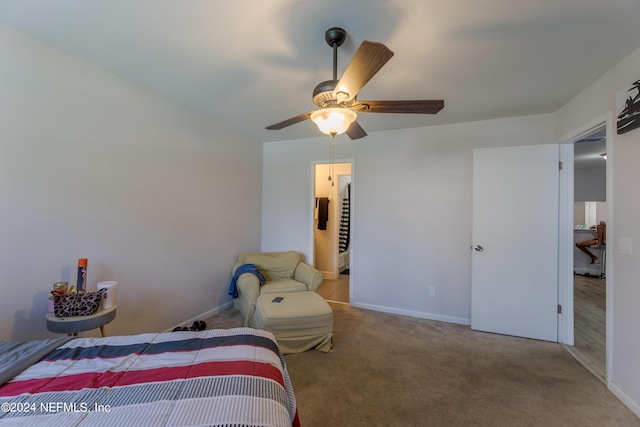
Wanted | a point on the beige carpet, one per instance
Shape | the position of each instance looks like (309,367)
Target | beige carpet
(390,370)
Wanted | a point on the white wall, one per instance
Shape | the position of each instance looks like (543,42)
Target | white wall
(411,209)
(623,152)
(91,166)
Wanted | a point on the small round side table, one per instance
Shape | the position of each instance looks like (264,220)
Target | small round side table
(75,324)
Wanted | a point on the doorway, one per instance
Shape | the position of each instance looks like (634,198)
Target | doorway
(589,279)
(332,225)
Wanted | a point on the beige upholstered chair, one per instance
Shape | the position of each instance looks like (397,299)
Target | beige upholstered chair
(283,271)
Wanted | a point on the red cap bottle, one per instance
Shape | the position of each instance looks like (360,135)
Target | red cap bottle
(81,285)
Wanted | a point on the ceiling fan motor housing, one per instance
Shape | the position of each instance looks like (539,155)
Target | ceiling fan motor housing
(323,93)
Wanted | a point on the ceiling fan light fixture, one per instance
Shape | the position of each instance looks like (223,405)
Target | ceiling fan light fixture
(333,120)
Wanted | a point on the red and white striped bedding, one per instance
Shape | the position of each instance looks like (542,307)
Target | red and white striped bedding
(234,377)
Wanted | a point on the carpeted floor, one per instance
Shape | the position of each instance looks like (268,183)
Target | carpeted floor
(391,370)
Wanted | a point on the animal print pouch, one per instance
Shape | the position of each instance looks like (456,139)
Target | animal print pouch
(68,305)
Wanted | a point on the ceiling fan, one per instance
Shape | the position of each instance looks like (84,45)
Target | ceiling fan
(337,98)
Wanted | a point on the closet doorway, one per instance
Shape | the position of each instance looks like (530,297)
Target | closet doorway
(332,225)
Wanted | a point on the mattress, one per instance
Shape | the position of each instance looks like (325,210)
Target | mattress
(221,377)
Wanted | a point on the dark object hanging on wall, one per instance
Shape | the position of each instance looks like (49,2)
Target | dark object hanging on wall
(628,101)
(323,212)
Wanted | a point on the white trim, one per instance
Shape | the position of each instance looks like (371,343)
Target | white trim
(412,313)
(311,214)
(338,302)
(633,406)
(566,212)
(609,274)
(329,275)
(352,221)
(565,252)
(203,316)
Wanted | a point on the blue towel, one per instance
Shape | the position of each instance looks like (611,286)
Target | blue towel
(244,268)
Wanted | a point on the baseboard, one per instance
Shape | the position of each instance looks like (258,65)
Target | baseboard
(595,271)
(629,403)
(329,275)
(411,313)
(204,315)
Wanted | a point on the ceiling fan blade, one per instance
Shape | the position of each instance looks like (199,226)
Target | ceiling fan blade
(355,131)
(289,122)
(426,106)
(367,61)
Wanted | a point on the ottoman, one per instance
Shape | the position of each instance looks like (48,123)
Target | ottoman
(300,321)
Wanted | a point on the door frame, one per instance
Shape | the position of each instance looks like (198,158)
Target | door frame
(312,212)
(565,279)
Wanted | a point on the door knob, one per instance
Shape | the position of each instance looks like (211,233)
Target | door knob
(478,248)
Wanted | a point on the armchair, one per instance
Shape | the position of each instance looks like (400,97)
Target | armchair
(283,271)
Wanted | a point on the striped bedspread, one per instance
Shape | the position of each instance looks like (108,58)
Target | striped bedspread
(222,377)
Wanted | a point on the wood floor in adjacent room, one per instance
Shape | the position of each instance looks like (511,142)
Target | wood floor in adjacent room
(590,324)
(335,290)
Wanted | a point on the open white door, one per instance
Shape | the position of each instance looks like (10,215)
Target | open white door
(514,287)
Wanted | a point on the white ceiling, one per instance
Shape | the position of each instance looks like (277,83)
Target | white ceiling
(251,63)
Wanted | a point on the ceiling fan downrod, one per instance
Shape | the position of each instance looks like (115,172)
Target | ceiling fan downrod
(323,92)
(335,37)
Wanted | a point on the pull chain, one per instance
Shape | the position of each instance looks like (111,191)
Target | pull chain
(331,161)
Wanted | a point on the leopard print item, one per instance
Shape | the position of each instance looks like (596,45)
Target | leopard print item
(69,305)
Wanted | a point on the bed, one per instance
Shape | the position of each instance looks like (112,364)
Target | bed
(221,377)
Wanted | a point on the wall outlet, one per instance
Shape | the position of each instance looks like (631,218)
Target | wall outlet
(432,291)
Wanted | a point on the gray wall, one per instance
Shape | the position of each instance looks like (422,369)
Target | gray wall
(590,185)
(91,166)
(411,208)
(623,151)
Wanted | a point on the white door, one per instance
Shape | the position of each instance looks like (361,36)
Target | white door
(514,286)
